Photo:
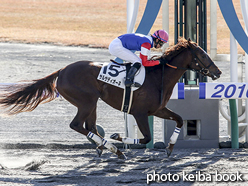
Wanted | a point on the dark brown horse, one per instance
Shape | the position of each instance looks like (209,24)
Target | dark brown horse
(78,84)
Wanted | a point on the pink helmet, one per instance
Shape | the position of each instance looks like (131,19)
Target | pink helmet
(162,35)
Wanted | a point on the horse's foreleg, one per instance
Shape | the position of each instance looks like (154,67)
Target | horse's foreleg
(103,142)
(117,136)
(113,148)
(165,113)
(142,121)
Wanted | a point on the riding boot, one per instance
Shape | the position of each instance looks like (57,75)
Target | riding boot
(130,76)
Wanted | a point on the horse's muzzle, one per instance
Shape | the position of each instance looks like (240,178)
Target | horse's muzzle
(215,75)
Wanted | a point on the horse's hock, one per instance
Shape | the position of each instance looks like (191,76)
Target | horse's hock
(201,121)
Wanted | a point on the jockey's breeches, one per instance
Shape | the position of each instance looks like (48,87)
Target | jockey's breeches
(116,49)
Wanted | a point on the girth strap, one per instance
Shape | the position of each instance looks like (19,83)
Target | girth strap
(127,95)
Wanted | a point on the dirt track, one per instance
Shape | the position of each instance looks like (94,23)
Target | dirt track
(46,167)
(39,148)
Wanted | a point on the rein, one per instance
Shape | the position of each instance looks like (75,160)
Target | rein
(204,69)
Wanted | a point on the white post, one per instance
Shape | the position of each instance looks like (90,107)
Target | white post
(246,101)
(213,29)
(233,59)
(165,20)
(165,24)
(233,66)
(132,12)
(244,8)
(131,126)
(130,7)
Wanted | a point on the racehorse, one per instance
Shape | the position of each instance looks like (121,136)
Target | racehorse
(78,84)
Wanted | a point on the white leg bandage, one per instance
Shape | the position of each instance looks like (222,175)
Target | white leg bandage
(130,141)
(174,136)
(95,138)
(109,146)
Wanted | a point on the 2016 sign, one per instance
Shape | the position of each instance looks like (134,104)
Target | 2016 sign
(223,90)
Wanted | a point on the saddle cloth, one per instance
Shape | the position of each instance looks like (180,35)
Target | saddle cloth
(115,74)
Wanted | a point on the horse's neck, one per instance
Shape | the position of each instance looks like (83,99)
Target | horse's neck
(171,75)
(169,81)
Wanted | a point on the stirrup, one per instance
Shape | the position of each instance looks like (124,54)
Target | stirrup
(132,84)
(128,82)
(135,84)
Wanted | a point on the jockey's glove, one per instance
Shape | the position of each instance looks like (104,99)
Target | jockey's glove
(162,61)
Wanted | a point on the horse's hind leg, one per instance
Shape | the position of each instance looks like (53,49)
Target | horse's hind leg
(165,113)
(90,125)
(86,105)
(78,121)
(89,116)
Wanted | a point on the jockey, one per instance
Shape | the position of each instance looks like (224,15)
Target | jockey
(123,46)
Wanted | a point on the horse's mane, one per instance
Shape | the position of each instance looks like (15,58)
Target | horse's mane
(172,51)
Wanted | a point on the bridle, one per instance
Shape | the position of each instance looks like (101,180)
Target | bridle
(203,68)
(196,60)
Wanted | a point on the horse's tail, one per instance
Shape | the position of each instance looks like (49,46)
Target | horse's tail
(27,96)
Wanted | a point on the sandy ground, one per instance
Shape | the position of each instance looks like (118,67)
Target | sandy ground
(48,167)
(39,148)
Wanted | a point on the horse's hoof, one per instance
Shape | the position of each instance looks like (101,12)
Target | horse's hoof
(122,156)
(115,136)
(168,152)
(99,151)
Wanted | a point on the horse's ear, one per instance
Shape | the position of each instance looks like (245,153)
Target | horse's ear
(190,44)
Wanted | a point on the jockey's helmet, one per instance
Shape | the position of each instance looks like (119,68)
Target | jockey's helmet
(161,35)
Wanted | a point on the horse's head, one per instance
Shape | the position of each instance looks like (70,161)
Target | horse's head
(202,63)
